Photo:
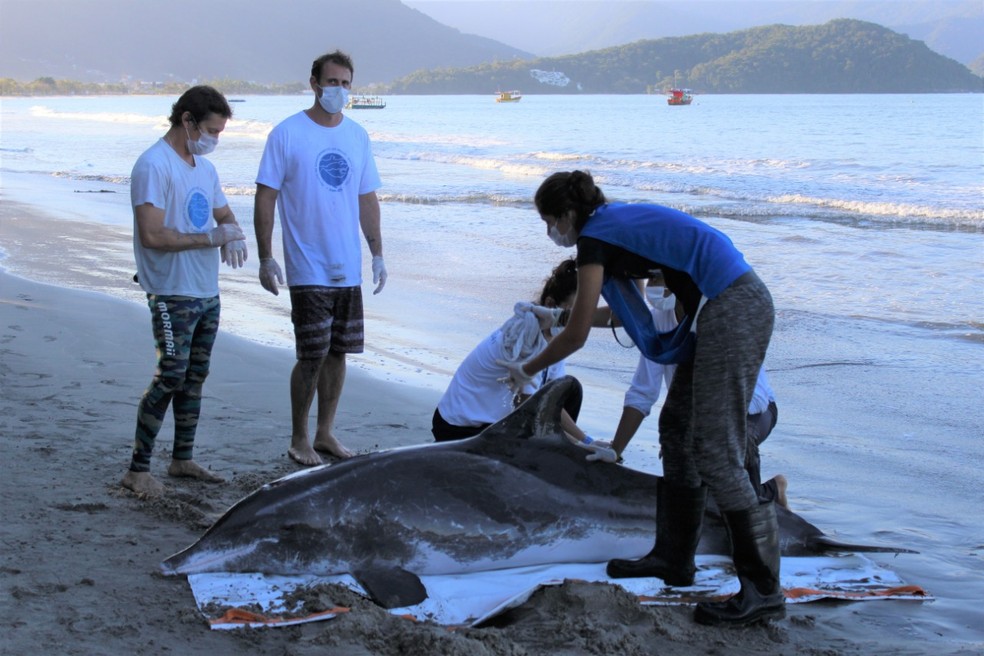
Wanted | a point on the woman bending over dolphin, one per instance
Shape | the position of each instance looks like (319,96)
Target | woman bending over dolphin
(476,398)
(718,348)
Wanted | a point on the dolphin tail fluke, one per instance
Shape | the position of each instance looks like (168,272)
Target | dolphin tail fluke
(391,587)
(825,543)
(173,566)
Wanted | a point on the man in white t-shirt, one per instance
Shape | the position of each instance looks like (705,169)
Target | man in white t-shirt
(319,173)
(180,220)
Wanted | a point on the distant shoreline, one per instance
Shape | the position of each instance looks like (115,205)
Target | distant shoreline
(96,89)
(48,86)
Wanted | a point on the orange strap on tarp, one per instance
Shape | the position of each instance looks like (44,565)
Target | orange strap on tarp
(240,616)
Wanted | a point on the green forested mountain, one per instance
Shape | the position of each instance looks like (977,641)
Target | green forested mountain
(842,56)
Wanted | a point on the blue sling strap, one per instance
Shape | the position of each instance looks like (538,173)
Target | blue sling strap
(670,347)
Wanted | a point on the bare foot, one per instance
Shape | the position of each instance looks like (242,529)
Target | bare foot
(191,469)
(332,447)
(142,483)
(303,454)
(781,485)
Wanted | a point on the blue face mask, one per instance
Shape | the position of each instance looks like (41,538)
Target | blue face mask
(565,240)
(333,99)
(658,300)
(205,144)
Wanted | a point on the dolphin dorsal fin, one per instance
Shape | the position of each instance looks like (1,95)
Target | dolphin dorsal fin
(537,416)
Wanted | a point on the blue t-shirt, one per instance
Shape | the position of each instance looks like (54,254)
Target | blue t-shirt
(695,259)
(670,239)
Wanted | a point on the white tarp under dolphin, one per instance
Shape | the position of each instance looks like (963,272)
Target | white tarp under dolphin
(519,494)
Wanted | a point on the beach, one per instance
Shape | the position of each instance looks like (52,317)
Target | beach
(81,554)
(872,246)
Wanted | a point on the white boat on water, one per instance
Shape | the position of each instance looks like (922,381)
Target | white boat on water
(365,102)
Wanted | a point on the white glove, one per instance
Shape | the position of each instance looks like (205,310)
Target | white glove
(223,233)
(516,379)
(234,253)
(378,273)
(270,275)
(548,317)
(599,451)
(585,443)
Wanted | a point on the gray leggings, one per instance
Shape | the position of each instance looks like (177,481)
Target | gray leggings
(702,426)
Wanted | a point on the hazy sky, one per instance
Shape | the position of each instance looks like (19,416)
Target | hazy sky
(411,3)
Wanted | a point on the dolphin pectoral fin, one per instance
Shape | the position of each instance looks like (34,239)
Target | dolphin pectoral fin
(391,587)
(824,543)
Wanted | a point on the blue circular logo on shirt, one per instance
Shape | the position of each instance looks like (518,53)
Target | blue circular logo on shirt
(198,209)
(333,168)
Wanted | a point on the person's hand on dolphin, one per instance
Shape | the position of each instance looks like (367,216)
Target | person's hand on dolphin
(270,275)
(517,379)
(600,451)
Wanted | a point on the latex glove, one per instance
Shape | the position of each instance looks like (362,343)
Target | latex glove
(589,442)
(601,452)
(223,233)
(234,253)
(548,317)
(270,275)
(585,443)
(378,273)
(516,379)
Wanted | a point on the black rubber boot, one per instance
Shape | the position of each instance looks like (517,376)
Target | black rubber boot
(679,514)
(755,548)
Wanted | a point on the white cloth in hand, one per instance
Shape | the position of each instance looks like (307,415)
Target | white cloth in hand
(521,336)
(378,273)
(223,233)
(270,275)
(516,378)
(548,317)
(234,253)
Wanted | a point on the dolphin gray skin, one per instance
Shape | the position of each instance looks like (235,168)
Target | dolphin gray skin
(517,494)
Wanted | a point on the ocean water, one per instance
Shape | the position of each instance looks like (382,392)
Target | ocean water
(863,214)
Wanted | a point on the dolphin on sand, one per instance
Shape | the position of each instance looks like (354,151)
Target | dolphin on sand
(518,494)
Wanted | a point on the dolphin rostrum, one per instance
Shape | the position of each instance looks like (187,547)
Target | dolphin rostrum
(518,494)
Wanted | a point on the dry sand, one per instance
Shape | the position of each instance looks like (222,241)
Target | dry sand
(80,554)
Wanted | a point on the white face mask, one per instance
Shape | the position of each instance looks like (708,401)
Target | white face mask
(206,143)
(655,297)
(565,240)
(333,99)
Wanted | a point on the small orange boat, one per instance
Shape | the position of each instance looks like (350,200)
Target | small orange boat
(680,97)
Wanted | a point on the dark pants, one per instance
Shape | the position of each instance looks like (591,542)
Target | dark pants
(702,426)
(759,428)
(445,432)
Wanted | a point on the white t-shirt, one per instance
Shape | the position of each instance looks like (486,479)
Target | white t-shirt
(475,396)
(319,173)
(648,379)
(762,395)
(188,195)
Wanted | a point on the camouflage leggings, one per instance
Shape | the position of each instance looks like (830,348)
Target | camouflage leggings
(703,423)
(184,333)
